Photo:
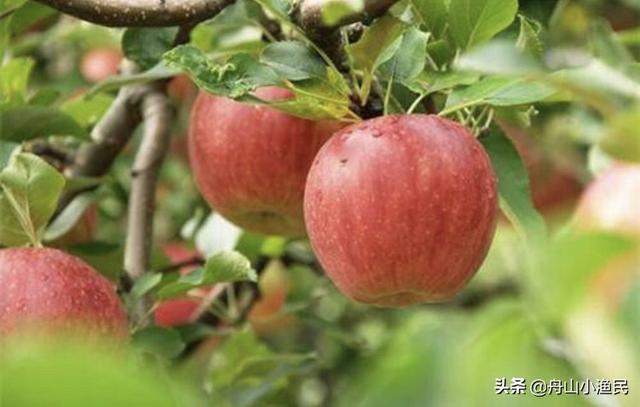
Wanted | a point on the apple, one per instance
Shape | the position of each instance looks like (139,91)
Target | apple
(47,290)
(612,201)
(181,89)
(267,315)
(401,209)
(250,162)
(98,64)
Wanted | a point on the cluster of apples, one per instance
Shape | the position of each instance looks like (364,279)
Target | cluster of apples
(399,209)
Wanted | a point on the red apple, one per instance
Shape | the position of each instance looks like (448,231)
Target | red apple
(98,64)
(401,209)
(612,201)
(250,162)
(47,290)
(267,315)
(181,89)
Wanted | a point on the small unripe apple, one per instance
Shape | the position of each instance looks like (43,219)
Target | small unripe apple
(612,201)
(401,209)
(99,64)
(47,290)
(250,162)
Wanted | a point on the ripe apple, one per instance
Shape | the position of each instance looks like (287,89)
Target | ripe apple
(612,201)
(98,64)
(267,315)
(181,89)
(47,290)
(250,162)
(401,209)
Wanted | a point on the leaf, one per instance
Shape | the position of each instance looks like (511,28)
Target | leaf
(241,75)
(607,46)
(570,262)
(113,82)
(498,91)
(621,140)
(433,14)
(222,267)
(429,81)
(87,111)
(165,343)
(410,58)
(333,11)
(315,100)
(473,22)
(528,38)
(7,149)
(29,122)
(14,77)
(145,284)
(513,61)
(29,193)
(293,60)
(376,46)
(69,217)
(513,186)
(145,46)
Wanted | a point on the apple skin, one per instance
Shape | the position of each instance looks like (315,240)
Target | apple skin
(99,64)
(612,201)
(251,162)
(401,209)
(47,290)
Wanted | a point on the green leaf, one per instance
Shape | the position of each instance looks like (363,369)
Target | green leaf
(145,284)
(14,77)
(223,267)
(430,81)
(513,61)
(29,193)
(498,91)
(69,217)
(570,262)
(241,75)
(410,58)
(607,46)
(145,46)
(293,60)
(315,100)
(433,14)
(333,11)
(621,140)
(528,38)
(87,111)
(513,186)
(29,122)
(376,46)
(7,149)
(159,71)
(165,343)
(473,22)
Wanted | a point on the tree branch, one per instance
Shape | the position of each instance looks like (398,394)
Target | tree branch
(157,114)
(308,16)
(139,13)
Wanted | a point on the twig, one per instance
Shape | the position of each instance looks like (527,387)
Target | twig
(140,13)
(157,113)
